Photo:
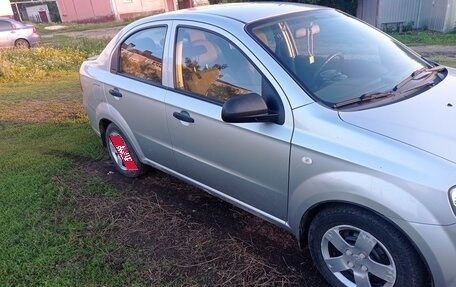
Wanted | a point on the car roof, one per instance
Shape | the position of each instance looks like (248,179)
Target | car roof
(11,20)
(243,12)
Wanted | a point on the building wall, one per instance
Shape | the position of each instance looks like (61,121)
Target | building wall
(367,11)
(450,23)
(437,15)
(5,9)
(136,8)
(99,10)
(405,11)
(85,10)
(434,14)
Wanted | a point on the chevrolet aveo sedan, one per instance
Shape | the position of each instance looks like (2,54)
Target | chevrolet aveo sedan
(301,115)
(17,34)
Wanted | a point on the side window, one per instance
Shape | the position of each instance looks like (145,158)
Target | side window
(5,25)
(267,36)
(141,55)
(211,66)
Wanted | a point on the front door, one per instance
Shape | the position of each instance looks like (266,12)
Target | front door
(43,16)
(247,162)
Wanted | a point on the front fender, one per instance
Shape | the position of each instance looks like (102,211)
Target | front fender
(332,161)
(388,196)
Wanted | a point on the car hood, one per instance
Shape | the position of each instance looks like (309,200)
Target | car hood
(426,121)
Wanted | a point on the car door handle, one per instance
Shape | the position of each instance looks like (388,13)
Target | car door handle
(115,92)
(183,116)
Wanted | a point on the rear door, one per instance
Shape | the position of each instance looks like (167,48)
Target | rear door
(245,163)
(6,33)
(135,91)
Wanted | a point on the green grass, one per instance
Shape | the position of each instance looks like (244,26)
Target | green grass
(42,241)
(450,62)
(88,46)
(426,38)
(57,57)
(43,131)
(44,134)
(37,247)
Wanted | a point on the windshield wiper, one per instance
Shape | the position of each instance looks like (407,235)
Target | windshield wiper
(365,98)
(425,76)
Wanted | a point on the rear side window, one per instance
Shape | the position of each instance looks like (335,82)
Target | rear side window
(141,55)
(4,25)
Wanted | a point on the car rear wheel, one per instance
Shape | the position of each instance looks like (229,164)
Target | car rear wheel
(22,44)
(354,247)
(122,154)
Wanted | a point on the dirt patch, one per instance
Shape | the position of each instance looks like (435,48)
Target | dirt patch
(185,237)
(42,111)
(435,50)
(106,33)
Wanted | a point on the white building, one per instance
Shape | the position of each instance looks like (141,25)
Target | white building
(436,15)
(5,9)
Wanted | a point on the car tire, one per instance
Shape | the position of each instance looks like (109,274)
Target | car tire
(113,130)
(22,44)
(354,247)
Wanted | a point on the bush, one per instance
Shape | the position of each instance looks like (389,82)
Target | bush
(37,63)
(44,61)
(408,27)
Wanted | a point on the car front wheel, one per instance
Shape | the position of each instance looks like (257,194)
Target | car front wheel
(353,247)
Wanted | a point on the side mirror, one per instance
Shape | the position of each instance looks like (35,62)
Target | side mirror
(246,109)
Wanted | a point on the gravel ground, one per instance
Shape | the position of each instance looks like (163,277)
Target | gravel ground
(436,50)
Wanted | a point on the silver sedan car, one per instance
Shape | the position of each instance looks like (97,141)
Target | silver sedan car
(17,34)
(301,115)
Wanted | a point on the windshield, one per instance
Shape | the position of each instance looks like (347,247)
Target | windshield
(335,57)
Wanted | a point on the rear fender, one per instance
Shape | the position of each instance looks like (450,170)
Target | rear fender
(106,111)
